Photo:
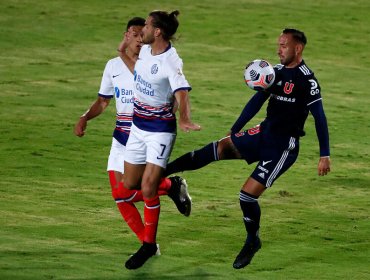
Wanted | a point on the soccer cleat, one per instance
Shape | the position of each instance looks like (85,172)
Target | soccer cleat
(146,251)
(180,195)
(246,254)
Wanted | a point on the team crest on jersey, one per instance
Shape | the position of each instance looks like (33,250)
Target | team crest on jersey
(288,88)
(154,69)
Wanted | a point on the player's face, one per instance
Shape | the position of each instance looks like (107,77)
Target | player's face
(286,49)
(148,31)
(135,42)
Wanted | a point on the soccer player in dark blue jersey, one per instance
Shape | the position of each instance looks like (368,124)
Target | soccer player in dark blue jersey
(274,143)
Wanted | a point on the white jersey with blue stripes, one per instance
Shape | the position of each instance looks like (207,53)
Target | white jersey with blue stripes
(117,82)
(156,79)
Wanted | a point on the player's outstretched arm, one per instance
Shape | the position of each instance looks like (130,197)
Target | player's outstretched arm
(250,110)
(95,110)
(185,123)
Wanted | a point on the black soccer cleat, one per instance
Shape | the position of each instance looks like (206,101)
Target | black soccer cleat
(180,195)
(146,251)
(246,254)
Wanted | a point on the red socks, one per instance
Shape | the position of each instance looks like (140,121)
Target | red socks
(132,217)
(164,186)
(151,216)
(125,200)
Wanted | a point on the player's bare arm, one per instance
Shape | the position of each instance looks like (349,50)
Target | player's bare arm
(185,123)
(95,110)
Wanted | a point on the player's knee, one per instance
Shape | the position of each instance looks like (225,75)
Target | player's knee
(147,188)
(227,150)
(121,193)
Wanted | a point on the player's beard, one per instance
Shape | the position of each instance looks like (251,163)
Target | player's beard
(148,38)
(287,59)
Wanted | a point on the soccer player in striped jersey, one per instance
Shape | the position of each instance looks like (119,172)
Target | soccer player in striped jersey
(158,81)
(274,143)
(117,83)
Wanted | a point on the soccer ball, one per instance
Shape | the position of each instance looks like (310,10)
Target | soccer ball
(259,74)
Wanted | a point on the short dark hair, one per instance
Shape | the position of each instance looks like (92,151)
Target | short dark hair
(298,35)
(165,21)
(136,21)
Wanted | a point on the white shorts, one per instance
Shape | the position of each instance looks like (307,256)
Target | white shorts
(116,156)
(153,147)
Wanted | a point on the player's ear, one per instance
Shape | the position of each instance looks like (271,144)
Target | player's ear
(157,32)
(298,48)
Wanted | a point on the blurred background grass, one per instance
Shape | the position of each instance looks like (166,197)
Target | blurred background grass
(57,218)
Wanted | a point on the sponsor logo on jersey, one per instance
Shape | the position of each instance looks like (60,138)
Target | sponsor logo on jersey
(283,98)
(266,162)
(143,86)
(116,75)
(314,85)
(126,96)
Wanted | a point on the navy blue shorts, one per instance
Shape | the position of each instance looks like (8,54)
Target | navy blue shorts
(274,153)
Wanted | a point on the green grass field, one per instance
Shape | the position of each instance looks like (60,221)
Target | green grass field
(57,218)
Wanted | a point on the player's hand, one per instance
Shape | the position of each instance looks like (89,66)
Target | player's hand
(187,126)
(80,127)
(124,43)
(324,166)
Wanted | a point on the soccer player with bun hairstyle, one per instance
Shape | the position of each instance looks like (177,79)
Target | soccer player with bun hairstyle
(117,83)
(274,143)
(158,82)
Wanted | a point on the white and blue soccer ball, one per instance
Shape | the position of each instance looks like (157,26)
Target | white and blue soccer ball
(259,74)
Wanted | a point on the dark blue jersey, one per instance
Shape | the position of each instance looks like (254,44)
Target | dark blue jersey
(294,89)
(294,94)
